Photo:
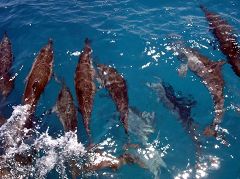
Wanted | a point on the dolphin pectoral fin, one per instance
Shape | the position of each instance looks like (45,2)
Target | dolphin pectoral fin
(213,130)
(210,131)
(217,64)
(131,159)
(182,70)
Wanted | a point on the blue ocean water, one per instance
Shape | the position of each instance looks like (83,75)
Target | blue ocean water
(131,36)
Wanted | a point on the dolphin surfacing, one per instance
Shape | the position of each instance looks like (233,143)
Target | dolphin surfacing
(85,86)
(38,77)
(211,76)
(223,32)
(6,59)
(117,87)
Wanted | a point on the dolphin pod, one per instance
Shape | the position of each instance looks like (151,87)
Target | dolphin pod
(66,112)
(209,72)
(37,79)
(227,40)
(6,59)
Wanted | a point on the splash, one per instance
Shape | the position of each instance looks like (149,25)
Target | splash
(151,157)
(37,154)
(11,132)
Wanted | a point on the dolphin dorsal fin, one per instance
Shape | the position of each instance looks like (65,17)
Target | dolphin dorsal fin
(217,64)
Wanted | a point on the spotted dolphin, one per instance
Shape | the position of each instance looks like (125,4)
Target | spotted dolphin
(85,86)
(211,76)
(6,59)
(39,76)
(223,32)
(66,109)
(117,87)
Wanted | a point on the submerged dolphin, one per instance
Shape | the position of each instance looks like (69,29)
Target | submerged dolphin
(6,59)
(66,109)
(38,77)
(211,76)
(85,86)
(179,105)
(227,40)
(117,88)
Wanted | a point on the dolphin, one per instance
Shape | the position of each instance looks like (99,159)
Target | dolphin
(38,77)
(6,59)
(223,32)
(85,86)
(211,76)
(181,106)
(66,109)
(117,87)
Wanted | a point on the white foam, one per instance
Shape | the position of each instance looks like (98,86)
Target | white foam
(76,53)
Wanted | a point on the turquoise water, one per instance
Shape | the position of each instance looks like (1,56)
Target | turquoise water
(132,36)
